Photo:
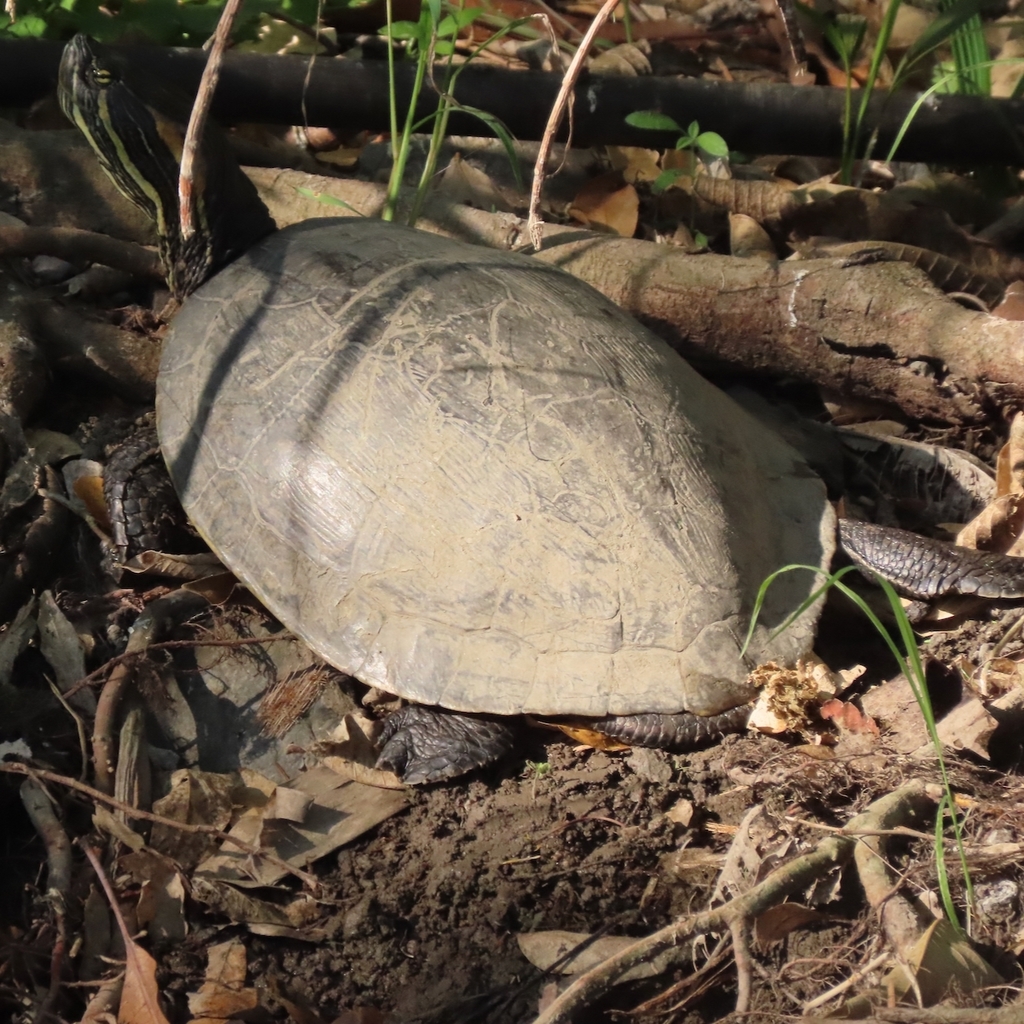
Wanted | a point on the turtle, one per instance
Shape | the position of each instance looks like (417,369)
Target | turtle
(462,476)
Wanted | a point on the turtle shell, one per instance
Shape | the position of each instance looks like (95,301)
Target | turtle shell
(467,478)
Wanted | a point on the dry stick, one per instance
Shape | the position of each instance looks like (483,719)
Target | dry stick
(36,802)
(17,768)
(561,19)
(688,988)
(155,619)
(555,118)
(782,882)
(168,645)
(104,757)
(135,958)
(837,990)
(739,929)
(76,246)
(197,120)
(903,918)
(797,56)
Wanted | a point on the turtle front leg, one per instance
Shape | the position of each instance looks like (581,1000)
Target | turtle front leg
(428,744)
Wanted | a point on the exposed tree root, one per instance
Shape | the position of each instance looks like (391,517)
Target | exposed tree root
(737,915)
(939,1015)
(879,332)
(78,246)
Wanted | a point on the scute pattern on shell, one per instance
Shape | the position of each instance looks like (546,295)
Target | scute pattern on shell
(469,479)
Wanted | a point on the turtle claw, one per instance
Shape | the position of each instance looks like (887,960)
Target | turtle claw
(428,744)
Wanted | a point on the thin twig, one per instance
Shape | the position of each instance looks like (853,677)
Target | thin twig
(36,802)
(17,768)
(197,120)
(110,664)
(555,119)
(856,976)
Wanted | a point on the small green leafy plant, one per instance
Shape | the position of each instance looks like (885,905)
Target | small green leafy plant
(908,658)
(708,146)
(434,35)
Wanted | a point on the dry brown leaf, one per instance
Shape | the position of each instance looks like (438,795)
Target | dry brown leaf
(197,798)
(997,527)
(89,489)
(1000,675)
(216,588)
(341,811)
(288,805)
(462,183)
(340,157)
(101,1006)
(93,957)
(943,961)
(178,567)
(545,949)
(1014,456)
(361,773)
(634,164)
(105,821)
(1010,462)
(777,922)
(223,994)
(161,905)
(681,812)
(589,737)
(354,739)
(816,751)
(606,202)
(748,239)
(849,717)
(140,999)
(1012,305)
(968,726)
(294,920)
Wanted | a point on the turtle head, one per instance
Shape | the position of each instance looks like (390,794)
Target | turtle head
(136,124)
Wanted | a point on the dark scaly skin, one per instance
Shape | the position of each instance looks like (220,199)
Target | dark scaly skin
(141,502)
(677,733)
(924,568)
(429,744)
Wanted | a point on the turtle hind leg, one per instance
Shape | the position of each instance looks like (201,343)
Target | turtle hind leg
(677,733)
(428,744)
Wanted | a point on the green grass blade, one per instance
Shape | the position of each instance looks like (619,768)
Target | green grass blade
(970,54)
(910,664)
(941,30)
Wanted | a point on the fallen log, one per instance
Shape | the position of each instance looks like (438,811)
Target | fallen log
(754,117)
